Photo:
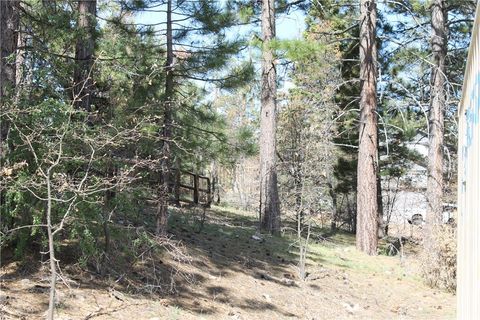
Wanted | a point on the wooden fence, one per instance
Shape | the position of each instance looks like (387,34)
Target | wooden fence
(191,188)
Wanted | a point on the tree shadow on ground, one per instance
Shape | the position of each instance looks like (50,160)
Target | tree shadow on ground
(220,247)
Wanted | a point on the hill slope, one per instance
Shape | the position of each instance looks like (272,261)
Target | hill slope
(218,271)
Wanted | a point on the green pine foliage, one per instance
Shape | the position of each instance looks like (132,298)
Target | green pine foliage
(101,167)
(107,158)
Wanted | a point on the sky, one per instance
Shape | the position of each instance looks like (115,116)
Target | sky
(289,26)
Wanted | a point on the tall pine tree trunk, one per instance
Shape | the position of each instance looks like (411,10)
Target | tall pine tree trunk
(8,43)
(165,164)
(84,50)
(20,69)
(367,204)
(436,127)
(269,201)
(436,114)
(9,22)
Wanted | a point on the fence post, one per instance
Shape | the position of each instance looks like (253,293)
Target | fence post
(209,193)
(195,188)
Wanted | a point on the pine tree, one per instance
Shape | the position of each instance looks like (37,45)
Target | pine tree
(197,50)
(367,205)
(269,201)
(166,163)
(307,127)
(344,30)
(84,50)
(9,23)
(436,115)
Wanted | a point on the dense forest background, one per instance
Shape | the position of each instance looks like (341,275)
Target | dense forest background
(108,116)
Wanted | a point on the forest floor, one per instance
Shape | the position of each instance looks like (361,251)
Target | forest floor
(218,271)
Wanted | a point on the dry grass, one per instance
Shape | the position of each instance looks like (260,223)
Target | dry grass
(439,264)
(232,276)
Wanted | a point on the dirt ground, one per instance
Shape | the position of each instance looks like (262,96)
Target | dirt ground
(230,275)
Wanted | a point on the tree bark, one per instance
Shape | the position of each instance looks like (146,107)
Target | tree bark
(165,164)
(8,42)
(269,200)
(84,50)
(367,170)
(436,114)
(20,70)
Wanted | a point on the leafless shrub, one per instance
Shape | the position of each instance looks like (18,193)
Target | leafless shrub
(439,264)
(149,252)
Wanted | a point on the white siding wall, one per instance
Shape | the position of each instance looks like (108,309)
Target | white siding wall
(468,263)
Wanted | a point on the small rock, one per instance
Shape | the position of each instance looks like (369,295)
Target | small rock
(26,283)
(234,316)
(288,282)
(267,297)
(257,238)
(80,297)
(351,308)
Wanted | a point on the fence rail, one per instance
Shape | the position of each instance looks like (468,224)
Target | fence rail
(196,190)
